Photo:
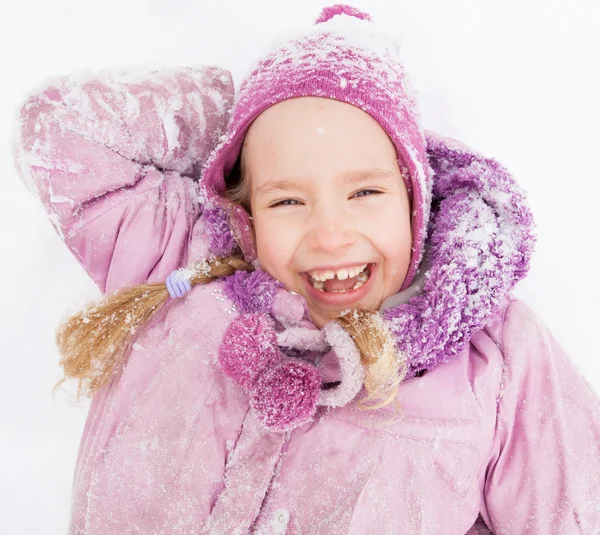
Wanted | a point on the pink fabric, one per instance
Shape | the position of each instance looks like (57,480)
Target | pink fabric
(171,446)
(114,160)
(507,432)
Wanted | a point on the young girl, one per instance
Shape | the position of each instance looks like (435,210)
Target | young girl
(309,328)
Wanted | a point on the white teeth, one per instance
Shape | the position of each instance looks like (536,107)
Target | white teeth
(323,275)
(360,281)
(363,277)
(353,271)
(319,285)
(342,274)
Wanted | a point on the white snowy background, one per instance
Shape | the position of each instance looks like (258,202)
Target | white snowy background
(516,80)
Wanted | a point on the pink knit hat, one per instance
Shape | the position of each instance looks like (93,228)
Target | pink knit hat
(346,57)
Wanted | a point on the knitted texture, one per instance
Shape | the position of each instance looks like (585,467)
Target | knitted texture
(347,58)
(252,291)
(221,240)
(341,9)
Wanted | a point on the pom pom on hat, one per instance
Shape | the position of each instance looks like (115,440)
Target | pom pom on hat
(341,9)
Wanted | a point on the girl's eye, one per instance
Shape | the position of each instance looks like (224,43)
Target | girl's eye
(366,191)
(283,203)
(287,202)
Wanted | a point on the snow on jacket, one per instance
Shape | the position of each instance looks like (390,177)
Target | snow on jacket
(505,434)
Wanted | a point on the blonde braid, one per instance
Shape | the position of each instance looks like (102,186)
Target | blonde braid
(94,342)
(385,367)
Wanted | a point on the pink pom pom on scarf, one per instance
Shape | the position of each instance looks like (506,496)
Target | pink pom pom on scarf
(283,391)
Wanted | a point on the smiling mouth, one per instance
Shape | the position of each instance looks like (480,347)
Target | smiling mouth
(336,285)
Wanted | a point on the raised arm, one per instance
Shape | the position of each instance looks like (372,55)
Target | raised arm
(115,158)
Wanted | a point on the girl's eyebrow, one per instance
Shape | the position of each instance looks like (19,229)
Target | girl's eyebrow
(355,176)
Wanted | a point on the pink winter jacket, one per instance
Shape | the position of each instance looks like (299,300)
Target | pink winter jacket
(505,435)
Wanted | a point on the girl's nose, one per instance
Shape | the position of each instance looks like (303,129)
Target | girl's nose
(331,231)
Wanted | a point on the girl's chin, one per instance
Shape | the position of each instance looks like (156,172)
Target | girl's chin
(320,319)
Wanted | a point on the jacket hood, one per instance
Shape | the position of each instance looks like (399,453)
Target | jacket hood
(479,245)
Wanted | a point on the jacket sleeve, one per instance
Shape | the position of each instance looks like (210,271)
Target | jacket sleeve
(115,161)
(543,476)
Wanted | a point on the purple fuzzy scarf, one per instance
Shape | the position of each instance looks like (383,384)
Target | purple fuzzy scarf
(480,241)
(479,246)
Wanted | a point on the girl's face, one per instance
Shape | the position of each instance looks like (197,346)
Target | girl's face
(327,195)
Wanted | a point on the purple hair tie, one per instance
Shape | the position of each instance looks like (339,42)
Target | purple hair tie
(178,284)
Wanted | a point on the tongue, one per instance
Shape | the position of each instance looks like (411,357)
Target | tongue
(336,284)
